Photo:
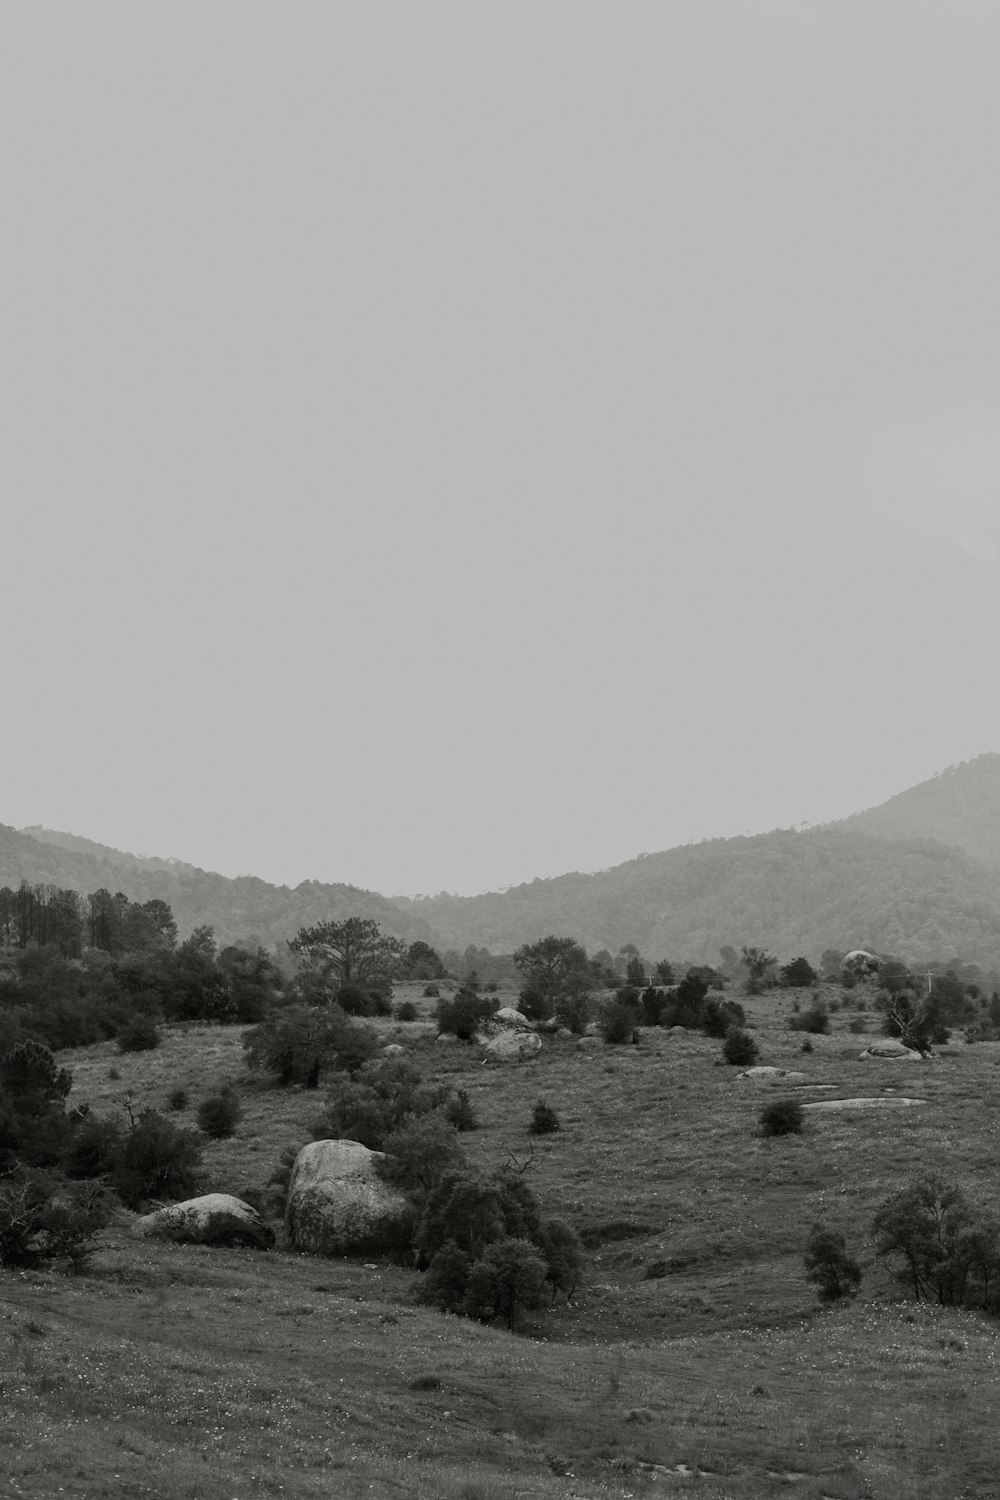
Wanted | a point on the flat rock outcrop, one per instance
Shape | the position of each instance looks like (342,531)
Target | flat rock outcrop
(771,1075)
(890,1051)
(512,1046)
(214,1219)
(338,1204)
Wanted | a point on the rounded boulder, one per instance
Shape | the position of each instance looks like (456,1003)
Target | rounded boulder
(512,1047)
(339,1205)
(214,1219)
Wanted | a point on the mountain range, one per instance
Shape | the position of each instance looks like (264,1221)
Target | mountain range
(917,876)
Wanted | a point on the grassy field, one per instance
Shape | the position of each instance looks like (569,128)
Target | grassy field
(695,1359)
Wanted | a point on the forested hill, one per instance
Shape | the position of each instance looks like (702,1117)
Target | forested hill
(790,892)
(236,908)
(960,806)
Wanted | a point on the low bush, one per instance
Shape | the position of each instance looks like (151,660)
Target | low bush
(463,1013)
(782,1117)
(460,1112)
(44,1217)
(159,1160)
(619,1020)
(219,1114)
(739,1049)
(431,992)
(407,1011)
(544,1120)
(814,1020)
(178,1099)
(835,1273)
(140,1034)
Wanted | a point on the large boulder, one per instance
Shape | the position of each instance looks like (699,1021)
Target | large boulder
(891,1050)
(339,1205)
(512,1046)
(215,1219)
(510,1018)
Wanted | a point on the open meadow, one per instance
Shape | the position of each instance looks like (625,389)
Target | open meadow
(694,1359)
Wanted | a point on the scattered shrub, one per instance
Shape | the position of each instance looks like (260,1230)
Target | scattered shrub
(718,1016)
(739,1049)
(807,1046)
(814,1020)
(407,1011)
(44,1217)
(782,1117)
(140,1034)
(619,1019)
(835,1273)
(544,1120)
(114,1074)
(276,1192)
(159,1160)
(463,1013)
(460,1112)
(219,1114)
(508,1279)
(301,1042)
(858,1025)
(178,1099)
(95,1147)
(431,992)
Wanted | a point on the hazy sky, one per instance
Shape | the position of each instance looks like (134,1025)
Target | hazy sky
(444,444)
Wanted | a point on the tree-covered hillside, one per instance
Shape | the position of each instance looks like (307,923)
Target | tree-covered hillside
(961,806)
(791,892)
(237,909)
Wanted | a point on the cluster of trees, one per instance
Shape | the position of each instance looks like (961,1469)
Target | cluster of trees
(49,916)
(74,1002)
(63,1170)
(939,1244)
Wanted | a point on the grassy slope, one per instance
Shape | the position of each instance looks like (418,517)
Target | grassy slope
(182,1372)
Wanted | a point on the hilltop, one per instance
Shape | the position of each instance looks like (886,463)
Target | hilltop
(237,908)
(918,876)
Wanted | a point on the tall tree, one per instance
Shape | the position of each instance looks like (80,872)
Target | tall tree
(355,951)
(555,971)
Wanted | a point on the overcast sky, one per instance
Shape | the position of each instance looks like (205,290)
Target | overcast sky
(448,444)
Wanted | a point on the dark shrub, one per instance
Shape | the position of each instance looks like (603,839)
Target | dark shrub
(355,1001)
(407,1011)
(463,1014)
(445,1282)
(460,1112)
(178,1099)
(431,992)
(95,1146)
(544,1120)
(739,1049)
(376,1102)
(799,974)
(420,1152)
(654,1004)
(301,1042)
(814,1020)
(619,1019)
(159,1160)
(719,1015)
(219,1114)
(507,1280)
(782,1117)
(140,1034)
(276,1193)
(835,1273)
(44,1217)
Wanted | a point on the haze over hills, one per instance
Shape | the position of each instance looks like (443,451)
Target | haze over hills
(918,876)
(960,806)
(238,909)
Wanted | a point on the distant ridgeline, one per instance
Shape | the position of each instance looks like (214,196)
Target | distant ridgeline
(917,877)
(238,909)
